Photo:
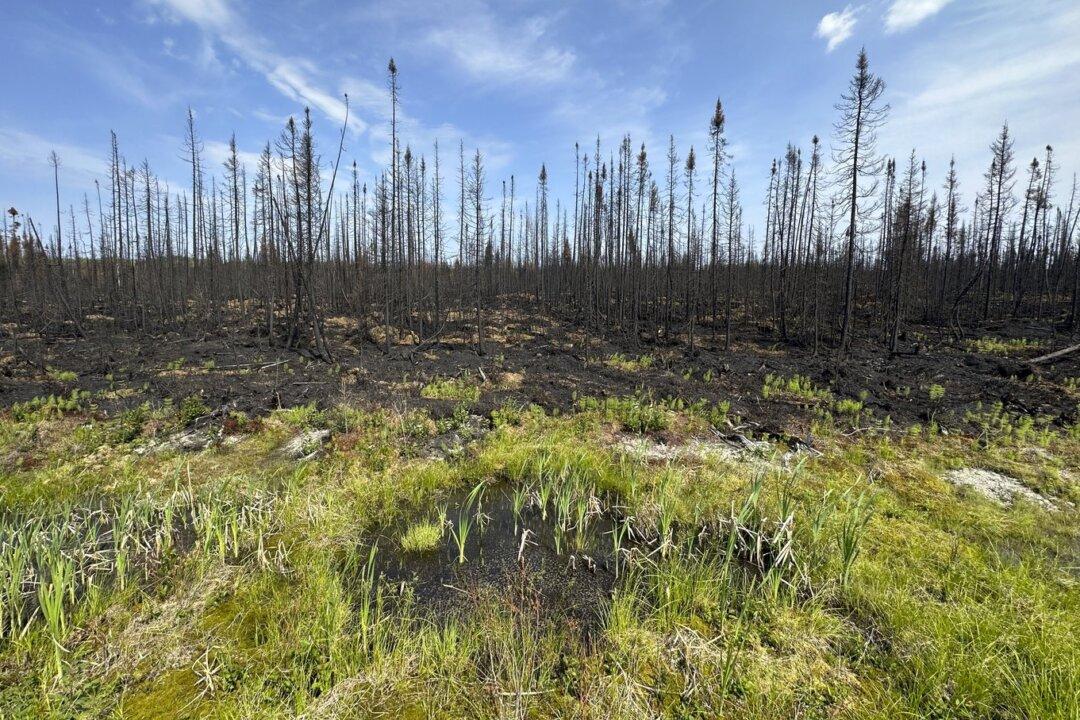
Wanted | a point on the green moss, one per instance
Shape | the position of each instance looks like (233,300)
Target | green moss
(175,695)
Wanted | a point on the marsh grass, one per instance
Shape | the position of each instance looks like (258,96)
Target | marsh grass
(460,532)
(422,537)
(854,584)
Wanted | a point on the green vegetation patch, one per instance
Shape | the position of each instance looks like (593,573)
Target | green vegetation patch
(1005,347)
(235,582)
(422,537)
(451,389)
(628,363)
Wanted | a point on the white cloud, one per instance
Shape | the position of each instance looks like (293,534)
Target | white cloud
(201,12)
(28,154)
(906,14)
(217,152)
(294,77)
(836,27)
(1012,62)
(486,50)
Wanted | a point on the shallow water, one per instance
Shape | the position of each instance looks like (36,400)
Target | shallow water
(574,584)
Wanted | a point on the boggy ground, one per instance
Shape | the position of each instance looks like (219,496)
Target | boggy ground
(417,538)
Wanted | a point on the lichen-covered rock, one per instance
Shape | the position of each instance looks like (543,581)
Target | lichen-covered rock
(184,441)
(1002,489)
(305,445)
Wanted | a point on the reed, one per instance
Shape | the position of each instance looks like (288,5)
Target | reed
(460,533)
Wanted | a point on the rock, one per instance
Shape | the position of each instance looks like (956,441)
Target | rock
(693,450)
(195,440)
(305,445)
(185,441)
(454,441)
(1002,489)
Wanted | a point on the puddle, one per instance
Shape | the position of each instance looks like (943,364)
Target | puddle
(572,581)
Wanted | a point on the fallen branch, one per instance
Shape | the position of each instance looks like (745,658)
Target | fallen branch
(1054,355)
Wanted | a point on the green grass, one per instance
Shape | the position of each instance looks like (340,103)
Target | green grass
(234,582)
(422,537)
(627,363)
(1005,347)
(451,389)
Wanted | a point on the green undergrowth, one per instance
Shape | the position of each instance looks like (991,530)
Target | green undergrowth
(142,581)
(454,388)
(1003,346)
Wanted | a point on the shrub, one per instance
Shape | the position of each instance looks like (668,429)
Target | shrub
(191,408)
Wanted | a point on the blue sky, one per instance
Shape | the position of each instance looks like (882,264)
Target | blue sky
(523,80)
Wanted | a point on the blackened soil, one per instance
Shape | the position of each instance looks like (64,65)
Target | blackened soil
(537,358)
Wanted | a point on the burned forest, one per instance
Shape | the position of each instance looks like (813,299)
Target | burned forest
(286,436)
(856,244)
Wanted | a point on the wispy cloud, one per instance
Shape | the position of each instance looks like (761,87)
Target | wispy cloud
(489,51)
(611,112)
(28,153)
(906,14)
(294,77)
(299,79)
(1005,61)
(836,27)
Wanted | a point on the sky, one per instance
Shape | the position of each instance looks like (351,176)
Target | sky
(523,80)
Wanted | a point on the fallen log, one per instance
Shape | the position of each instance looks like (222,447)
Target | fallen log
(1054,355)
